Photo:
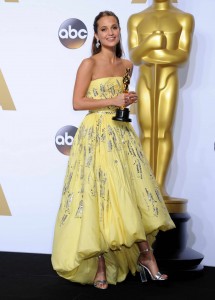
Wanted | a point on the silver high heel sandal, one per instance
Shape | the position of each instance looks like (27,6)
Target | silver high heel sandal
(99,283)
(144,271)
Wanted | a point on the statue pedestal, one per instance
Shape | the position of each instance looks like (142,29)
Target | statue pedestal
(170,250)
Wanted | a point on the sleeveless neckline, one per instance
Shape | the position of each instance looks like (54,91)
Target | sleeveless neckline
(102,78)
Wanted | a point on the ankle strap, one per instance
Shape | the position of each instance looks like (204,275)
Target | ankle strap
(146,250)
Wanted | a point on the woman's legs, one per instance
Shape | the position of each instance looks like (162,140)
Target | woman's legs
(146,258)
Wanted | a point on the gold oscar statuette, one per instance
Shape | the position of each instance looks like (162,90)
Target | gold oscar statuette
(122,113)
(159,41)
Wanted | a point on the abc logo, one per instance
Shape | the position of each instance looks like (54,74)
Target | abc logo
(64,139)
(72,33)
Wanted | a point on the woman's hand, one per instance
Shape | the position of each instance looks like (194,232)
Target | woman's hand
(125,99)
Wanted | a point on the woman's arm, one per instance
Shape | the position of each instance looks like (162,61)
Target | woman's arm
(83,79)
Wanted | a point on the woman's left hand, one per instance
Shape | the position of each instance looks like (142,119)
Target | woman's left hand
(130,98)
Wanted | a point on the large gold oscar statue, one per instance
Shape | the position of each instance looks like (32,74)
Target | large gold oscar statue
(159,40)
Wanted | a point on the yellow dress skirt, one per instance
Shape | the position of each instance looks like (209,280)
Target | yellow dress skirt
(110,198)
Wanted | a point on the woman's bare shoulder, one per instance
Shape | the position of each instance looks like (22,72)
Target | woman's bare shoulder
(88,62)
(127,63)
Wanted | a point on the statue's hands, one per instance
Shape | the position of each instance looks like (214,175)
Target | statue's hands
(157,40)
(125,99)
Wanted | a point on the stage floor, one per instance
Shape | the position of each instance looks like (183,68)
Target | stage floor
(30,276)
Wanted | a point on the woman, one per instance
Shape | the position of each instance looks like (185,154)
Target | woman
(111,207)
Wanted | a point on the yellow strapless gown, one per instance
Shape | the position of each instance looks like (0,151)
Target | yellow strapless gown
(110,198)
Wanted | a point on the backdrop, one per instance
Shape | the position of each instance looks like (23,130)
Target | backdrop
(42,43)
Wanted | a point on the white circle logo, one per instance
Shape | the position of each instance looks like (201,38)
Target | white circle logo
(72,33)
(64,139)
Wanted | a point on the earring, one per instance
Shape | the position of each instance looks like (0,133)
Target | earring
(97,44)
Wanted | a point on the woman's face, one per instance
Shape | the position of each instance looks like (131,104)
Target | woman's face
(108,32)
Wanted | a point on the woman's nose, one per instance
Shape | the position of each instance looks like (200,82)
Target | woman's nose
(110,31)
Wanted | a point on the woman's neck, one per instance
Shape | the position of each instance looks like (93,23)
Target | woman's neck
(108,55)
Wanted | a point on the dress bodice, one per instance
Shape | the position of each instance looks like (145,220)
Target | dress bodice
(105,88)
